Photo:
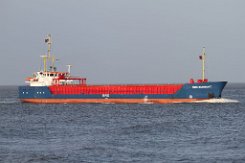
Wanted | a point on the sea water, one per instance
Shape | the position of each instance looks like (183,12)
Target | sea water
(211,131)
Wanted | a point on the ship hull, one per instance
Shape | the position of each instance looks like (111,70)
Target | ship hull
(186,93)
(109,101)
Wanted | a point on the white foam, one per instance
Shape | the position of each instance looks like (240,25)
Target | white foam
(9,101)
(218,100)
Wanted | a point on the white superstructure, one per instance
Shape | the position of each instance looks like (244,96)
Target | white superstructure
(50,77)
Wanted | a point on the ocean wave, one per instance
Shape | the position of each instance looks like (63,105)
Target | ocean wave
(220,100)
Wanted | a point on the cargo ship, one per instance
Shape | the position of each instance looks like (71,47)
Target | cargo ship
(51,86)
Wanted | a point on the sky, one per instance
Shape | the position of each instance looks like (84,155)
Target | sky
(124,41)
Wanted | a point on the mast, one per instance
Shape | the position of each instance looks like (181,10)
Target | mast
(203,62)
(53,60)
(48,57)
(49,42)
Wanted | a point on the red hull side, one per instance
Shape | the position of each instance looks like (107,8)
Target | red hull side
(119,101)
(116,89)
